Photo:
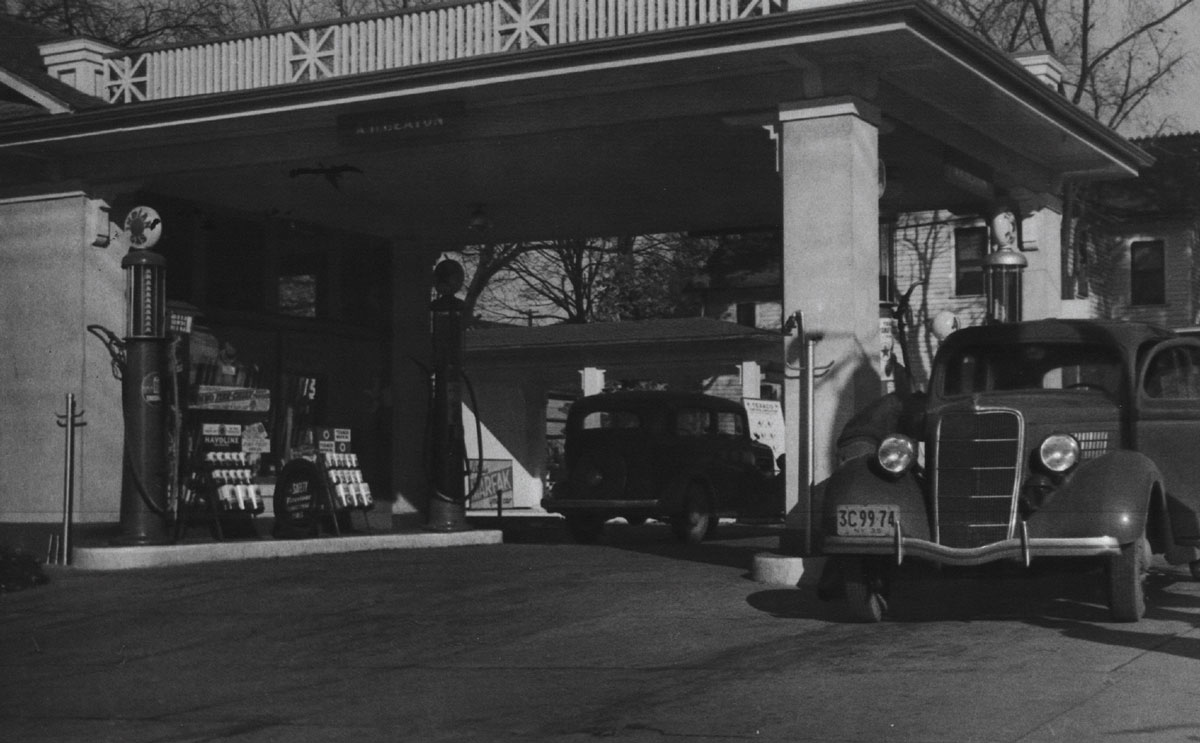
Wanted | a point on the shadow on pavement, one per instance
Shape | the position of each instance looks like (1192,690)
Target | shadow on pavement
(1164,601)
(733,544)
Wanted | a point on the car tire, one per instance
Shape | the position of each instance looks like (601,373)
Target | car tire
(864,591)
(585,528)
(692,524)
(713,522)
(1126,575)
(1194,569)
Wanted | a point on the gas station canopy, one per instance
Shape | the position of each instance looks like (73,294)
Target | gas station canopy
(641,132)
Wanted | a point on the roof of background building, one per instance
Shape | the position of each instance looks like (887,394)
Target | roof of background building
(649,332)
(1169,187)
(20,58)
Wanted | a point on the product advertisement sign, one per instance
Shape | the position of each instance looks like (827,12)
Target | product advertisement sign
(766,423)
(495,483)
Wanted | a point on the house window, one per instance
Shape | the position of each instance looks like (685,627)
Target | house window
(747,314)
(1147,274)
(970,248)
(887,262)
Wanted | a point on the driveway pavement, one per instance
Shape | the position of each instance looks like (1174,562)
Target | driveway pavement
(636,639)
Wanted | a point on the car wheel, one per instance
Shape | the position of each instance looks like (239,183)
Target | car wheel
(1194,567)
(1127,581)
(585,528)
(864,591)
(713,522)
(692,524)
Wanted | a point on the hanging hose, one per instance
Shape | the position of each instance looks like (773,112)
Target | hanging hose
(115,347)
(427,464)
(478,441)
(116,350)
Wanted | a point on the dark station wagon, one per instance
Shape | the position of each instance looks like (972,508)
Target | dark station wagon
(1056,438)
(685,458)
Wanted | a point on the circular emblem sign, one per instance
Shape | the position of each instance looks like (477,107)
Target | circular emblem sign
(143,226)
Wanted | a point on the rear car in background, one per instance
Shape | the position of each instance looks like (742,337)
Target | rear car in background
(684,458)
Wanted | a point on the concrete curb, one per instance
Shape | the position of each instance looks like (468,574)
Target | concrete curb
(773,568)
(124,558)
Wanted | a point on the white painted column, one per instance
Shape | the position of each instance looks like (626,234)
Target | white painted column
(829,155)
(592,380)
(751,373)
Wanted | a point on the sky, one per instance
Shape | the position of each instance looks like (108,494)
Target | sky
(1182,103)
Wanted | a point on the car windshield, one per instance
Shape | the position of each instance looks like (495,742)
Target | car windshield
(1033,366)
(611,419)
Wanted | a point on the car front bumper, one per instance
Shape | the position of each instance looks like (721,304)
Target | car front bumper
(1023,549)
(568,505)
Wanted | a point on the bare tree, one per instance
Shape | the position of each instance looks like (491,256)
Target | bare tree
(130,23)
(133,23)
(597,279)
(553,281)
(1117,53)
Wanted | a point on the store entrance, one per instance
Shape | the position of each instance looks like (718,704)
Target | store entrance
(310,390)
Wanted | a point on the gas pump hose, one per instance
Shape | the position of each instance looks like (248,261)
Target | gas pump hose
(116,349)
(429,438)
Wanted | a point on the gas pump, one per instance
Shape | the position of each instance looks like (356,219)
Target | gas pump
(447,452)
(140,362)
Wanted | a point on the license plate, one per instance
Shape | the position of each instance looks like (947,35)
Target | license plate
(867,521)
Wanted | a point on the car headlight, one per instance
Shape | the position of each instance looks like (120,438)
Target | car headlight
(1059,452)
(896,453)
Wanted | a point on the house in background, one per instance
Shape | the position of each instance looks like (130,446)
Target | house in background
(1135,256)
(1138,240)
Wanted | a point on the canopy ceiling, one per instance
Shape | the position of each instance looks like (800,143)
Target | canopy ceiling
(656,132)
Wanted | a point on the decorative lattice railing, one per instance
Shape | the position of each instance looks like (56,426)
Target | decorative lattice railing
(413,37)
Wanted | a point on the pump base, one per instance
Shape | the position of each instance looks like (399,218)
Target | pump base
(446,516)
(139,540)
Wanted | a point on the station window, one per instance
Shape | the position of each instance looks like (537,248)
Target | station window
(970,248)
(302,282)
(1147,273)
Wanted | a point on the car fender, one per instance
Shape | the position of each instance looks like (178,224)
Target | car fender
(859,483)
(1109,496)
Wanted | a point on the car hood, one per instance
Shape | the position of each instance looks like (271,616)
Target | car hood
(1059,410)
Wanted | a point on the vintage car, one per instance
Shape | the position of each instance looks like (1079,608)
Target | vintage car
(1054,438)
(680,457)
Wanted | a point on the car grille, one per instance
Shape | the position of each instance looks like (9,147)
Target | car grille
(977,472)
(1092,444)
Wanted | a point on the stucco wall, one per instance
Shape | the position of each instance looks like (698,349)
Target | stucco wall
(52,285)
(513,428)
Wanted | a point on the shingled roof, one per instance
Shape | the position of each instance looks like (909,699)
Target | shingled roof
(22,73)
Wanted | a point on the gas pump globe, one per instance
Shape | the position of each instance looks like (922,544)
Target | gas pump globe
(1002,269)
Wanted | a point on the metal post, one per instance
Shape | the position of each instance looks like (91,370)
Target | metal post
(810,429)
(69,422)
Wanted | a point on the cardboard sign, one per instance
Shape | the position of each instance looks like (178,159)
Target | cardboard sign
(495,483)
(299,492)
(766,423)
(215,397)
